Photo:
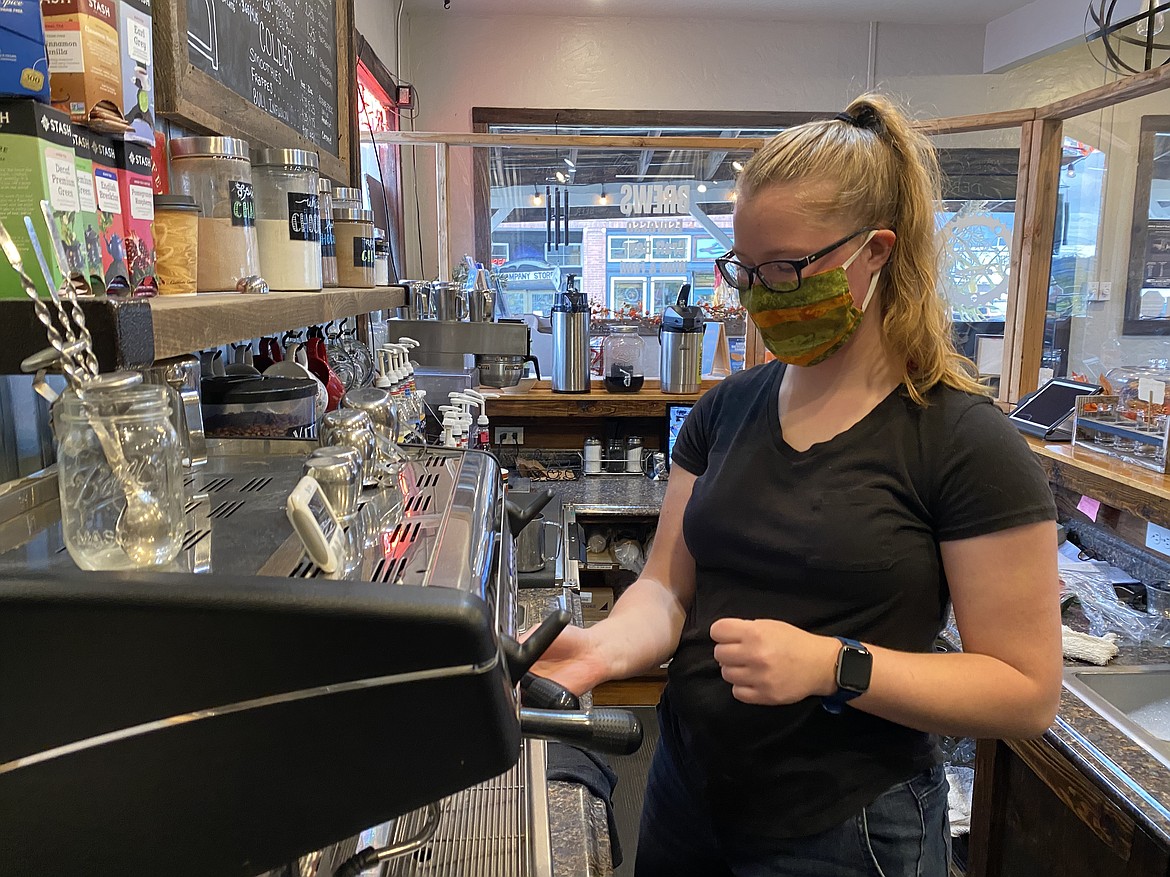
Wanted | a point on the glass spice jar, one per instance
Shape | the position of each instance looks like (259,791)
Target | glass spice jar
(176,244)
(354,230)
(119,474)
(328,242)
(347,196)
(288,218)
(217,173)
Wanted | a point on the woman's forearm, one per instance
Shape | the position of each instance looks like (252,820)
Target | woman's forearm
(642,631)
(957,694)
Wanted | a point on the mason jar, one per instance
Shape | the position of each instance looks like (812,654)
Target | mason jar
(621,355)
(288,218)
(217,173)
(354,230)
(119,474)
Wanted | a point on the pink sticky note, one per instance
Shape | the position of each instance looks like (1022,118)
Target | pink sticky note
(1089,507)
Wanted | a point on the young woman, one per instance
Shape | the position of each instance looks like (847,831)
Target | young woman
(822,512)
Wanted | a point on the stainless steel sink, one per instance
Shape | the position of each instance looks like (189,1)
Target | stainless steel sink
(1136,699)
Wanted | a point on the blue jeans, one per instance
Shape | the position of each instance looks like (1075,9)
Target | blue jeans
(904,833)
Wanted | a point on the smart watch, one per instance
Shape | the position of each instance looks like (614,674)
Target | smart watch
(854,666)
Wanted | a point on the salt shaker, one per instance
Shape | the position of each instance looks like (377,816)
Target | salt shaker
(634,454)
(592,456)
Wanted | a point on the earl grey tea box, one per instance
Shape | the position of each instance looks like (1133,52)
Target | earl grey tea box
(37,164)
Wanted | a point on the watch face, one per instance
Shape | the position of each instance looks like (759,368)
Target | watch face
(854,668)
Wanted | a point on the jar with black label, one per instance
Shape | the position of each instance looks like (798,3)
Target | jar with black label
(328,242)
(217,173)
(288,218)
(354,230)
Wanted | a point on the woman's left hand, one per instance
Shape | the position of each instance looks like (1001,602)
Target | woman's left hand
(771,662)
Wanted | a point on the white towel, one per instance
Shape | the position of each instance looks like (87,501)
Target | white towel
(962,786)
(1098,650)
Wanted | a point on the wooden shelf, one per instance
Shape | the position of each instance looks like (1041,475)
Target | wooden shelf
(541,401)
(127,334)
(1130,488)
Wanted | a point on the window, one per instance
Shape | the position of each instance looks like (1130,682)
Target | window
(623,249)
(1147,295)
(627,292)
(664,291)
(670,249)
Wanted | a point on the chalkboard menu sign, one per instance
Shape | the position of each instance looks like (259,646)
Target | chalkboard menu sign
(280,55)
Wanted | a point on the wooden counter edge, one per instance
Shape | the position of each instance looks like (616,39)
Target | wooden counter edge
(1142,492)
(541,401)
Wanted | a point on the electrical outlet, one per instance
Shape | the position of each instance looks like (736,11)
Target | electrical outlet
(1102,291)
(1158,538)
(509,435)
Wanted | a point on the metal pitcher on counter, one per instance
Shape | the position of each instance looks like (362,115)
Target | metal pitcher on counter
(481,299)
(570,337)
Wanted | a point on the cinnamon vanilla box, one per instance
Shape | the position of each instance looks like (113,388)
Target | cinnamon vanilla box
(85,58)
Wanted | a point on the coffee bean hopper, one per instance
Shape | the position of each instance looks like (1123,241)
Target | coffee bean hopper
(220,724)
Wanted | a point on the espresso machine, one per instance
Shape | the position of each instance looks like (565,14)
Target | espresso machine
(461,344)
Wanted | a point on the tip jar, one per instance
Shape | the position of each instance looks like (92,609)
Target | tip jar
(119,474)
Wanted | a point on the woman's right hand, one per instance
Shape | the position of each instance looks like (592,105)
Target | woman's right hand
(573,660)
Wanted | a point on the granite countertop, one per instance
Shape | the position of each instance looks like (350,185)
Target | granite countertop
(613,494)
(577,820)
(1129,775)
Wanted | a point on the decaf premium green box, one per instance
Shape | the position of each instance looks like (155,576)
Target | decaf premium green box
(37,164)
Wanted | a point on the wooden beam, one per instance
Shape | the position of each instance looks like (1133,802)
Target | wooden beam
(561,141)
(977,122)
(1012,340)
(1036,255)
(1127,88)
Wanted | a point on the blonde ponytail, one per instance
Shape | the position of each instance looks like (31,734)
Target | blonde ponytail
(886,175)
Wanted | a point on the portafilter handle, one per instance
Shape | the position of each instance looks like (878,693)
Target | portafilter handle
(612,731)
(545,694)
(519,517)
(521,656)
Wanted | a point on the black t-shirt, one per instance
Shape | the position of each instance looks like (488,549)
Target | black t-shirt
(841,539)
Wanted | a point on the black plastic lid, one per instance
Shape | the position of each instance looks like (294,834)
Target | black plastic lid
(175,202)
(245,389)
(685,318)
(571,302)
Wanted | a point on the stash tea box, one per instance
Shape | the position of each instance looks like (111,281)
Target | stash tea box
(85,63)
(24,63)
(136,180)
(137,31)
(111,229)
(88,244)
(36,164)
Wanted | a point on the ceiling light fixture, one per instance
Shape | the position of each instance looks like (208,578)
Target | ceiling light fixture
(604,198)
(561,178)
(738,165)
(702,187)
(535,195)
(569,162)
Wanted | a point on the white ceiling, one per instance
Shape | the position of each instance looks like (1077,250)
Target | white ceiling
(927,11)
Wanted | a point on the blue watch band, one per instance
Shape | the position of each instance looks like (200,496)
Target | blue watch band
(835,703)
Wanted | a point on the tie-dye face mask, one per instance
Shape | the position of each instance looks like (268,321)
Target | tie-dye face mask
(810,324)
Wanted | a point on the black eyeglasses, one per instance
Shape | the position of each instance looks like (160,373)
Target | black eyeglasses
(782,275)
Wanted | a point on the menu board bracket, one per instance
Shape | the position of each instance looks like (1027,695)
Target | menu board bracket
(266,50)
